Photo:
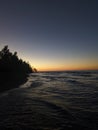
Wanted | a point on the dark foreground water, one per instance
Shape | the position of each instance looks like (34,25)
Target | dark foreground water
(52,101)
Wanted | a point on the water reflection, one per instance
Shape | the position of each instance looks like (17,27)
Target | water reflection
(63,100)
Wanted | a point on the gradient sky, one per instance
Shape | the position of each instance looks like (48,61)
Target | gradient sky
(51,34)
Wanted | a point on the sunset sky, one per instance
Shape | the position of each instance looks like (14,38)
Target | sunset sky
(51,34)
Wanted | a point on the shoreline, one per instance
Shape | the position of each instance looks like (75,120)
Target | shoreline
(11,80)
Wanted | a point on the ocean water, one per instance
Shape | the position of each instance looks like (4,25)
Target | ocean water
(52,101)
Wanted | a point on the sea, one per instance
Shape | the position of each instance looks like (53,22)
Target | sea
(66,100)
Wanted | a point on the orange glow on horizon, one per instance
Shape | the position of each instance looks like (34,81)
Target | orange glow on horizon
(67,68)
(62,64)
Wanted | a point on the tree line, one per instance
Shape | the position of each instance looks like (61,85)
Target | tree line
(9,62)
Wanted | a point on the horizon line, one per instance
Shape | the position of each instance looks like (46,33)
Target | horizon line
(67,70)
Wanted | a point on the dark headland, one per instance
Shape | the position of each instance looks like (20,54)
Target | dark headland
(13,71)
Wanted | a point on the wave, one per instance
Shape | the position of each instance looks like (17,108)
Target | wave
(52,101)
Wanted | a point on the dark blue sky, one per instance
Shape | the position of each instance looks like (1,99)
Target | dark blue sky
(52,34)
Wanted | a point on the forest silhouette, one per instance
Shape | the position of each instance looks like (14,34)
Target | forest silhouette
(13,71)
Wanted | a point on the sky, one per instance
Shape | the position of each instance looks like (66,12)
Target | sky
(51,34)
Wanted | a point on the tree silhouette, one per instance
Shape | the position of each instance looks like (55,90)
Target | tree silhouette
(13,71)
(11,63)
